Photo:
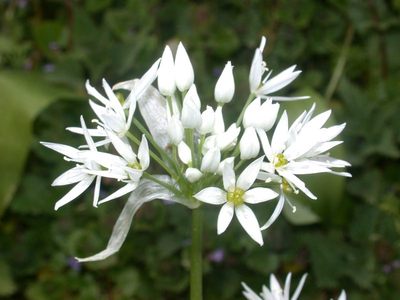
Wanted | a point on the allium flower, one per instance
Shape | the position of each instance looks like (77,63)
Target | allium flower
(82,173)
(275,292)
(264,87)
(301,149)
(234,196)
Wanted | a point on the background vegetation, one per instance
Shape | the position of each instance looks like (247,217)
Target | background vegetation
(349,238)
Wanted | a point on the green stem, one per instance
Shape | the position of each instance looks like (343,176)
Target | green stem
(196,274)
(190,142)
(248,101)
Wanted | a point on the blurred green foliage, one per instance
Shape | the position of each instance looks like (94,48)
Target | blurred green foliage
(349,238)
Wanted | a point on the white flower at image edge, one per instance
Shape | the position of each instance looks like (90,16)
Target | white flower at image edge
(234,197)
(275,292)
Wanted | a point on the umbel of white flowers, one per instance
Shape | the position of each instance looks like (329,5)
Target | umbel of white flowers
(198,153)
(276,292)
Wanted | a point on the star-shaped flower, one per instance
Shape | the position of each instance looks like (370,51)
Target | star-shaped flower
(234,197)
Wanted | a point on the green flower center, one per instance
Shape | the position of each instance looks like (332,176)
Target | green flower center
(280,160)
(236,196)
(135,165)
(286,186)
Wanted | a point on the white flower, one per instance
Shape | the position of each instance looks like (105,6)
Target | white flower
(264,87)
(166,77)
(184,75)
(193,174)
(175,130)
(342,295)
(301,149)
(275,292)
(81,173)
(225,87)
(128,167)
(191,116)
(236,194)
(249,144)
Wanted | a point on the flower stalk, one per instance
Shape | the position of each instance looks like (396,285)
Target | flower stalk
(196,258)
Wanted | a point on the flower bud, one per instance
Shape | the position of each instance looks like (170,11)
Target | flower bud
(184,75)
(175,130)
(219,126)
(225,87)
(207,120)
(184,153)
(166,78)
(191,117)
(211,161)
(249,144)
(229,161)
(260,116)
(193,174)
(228,139)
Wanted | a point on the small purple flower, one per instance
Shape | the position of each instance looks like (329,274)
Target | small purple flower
(217,255)
(74,264)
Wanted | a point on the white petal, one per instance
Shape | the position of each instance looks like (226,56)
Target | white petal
(258,195)
(249,223)
(123,148)
(175,130)
(207,120)
(279,81)
(144,82)
(93,92)
(275,287)
(66,150)
(249,294)
(342,295)
(184,153)
(248,118)
(71,176)
(143,153)
(265,144)
(256,71)
(92,132)
(267,115)
(114,102)
(211,195)
(107,160)
(191,116)
(75,192)
(87,136)
(184,75)
(280,135)
(96,191)
(228,177)
(297,182)
(249,175)
(228,139)
(225,217)
(286,289)
(297,292)
(229,160)
(219,125)
(276,213)
(121,192)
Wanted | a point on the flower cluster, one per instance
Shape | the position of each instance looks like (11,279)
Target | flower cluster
(275,292)
(199,153)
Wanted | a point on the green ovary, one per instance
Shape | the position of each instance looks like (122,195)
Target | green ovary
(235,196)
(280,160)
(135,165)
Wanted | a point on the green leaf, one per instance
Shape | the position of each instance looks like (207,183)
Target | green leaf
(23,96)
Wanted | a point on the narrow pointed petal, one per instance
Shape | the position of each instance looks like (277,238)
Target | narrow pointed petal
(66,150)
(129,187)
(249,223)
(211,195)
(98,132)
(258,195)
(96,191)
(113,100)
(249,294)
(143,153)
(75,192)
(225,217)
(71,176)
(275,287)
(228,177)
(276,213)
(342,295)
(256,71)
(249,175)
(286,289)
(124,149)
(279,81)
(280,135)
(93,92)
(87,136)
(297,182)
(297,292)
(265,144)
